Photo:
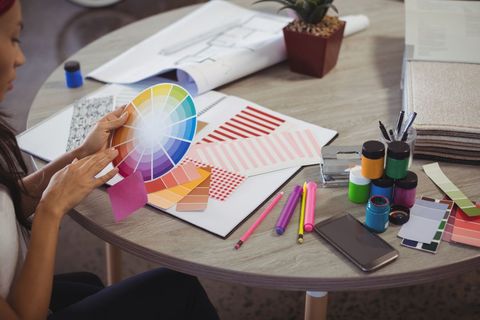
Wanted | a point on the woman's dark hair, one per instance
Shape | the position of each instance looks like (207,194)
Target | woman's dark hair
(12,168)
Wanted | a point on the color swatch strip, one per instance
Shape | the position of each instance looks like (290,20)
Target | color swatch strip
(432,247)
(222,182)
(167,198)
(425,218)
(250,122)
(260,155)
(181,174)
(197,200)
(436,174)
(466,229)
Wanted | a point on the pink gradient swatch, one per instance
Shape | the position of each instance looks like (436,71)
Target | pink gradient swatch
(127,196)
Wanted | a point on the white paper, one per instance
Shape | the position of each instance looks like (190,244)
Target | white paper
(216,44)
(220,217)
(443,30)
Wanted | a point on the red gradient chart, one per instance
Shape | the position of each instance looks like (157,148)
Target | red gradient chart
(159,131)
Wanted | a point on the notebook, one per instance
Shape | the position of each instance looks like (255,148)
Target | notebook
(440,77)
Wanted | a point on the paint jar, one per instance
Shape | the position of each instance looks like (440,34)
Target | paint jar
(405,190)
(382,187)
(358,186)
(398,153)
(376,216)
(411,138)
(373,159)
(73,75)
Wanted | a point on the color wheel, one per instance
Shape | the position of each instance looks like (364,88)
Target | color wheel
(159,131)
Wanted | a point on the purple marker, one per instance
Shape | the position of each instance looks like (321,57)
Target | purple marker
(288,210)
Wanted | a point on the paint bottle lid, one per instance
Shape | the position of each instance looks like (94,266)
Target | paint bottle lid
(409,182)
(399,215)
(356,176)
(373,149)
(398,150)
(383,182)
(71,66)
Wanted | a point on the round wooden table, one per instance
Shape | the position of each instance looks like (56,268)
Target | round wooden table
(363,88)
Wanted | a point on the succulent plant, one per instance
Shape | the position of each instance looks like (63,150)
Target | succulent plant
(309,11)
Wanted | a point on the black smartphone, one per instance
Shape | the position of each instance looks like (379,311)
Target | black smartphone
(365,249)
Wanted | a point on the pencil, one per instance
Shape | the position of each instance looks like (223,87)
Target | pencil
(264,214)
(302,214)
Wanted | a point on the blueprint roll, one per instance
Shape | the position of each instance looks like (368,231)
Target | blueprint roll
(355,23)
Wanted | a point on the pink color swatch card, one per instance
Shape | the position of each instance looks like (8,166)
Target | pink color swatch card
(259,155)
(250,122)
(127,196)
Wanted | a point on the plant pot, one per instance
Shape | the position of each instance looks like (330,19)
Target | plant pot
(312,55)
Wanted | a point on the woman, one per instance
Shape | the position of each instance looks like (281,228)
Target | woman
(28,288)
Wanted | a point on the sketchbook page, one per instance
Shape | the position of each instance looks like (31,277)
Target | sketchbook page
(203,55)
(443,30)
(222,217)
(56,129)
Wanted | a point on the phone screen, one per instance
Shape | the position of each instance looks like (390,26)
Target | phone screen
(366,249)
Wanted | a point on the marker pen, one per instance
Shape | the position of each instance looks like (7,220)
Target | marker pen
(288,210)
(310,206)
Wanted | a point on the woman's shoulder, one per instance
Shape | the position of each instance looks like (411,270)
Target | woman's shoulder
(9,243)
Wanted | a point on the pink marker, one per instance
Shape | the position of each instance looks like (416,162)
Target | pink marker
(310,206)
(250,230)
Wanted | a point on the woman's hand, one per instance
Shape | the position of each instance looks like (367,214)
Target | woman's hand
(73,183)
(98,138)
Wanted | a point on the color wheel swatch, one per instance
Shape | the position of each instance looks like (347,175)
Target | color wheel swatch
(167,198)
(159,131)
(197,200)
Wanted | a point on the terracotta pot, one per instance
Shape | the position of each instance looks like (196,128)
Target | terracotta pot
(312,55)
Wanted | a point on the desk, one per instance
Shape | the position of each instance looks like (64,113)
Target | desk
(363,88)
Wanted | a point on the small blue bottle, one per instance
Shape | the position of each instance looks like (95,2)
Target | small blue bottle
(382,187)
(376,216)
(73,75)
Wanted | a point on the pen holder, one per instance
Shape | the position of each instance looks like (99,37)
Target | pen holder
(410,140)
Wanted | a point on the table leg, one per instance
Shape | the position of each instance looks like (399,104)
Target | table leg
(316,305)
(114,264)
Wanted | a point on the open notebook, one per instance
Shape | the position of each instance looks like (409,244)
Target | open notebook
(214,108)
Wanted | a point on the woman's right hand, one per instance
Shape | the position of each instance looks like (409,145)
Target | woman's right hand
(73,183)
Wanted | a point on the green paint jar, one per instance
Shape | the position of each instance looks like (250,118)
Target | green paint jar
(398,153)
(358,186)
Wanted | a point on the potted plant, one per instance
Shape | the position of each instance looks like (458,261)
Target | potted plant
(312,40)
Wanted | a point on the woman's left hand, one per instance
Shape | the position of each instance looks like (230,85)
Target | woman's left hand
(98,138)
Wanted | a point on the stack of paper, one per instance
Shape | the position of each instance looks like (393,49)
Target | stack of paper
(440,78)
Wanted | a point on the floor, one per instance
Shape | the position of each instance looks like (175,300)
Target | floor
(55,29)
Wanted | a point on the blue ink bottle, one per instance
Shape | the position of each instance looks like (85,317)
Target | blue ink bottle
(73,75)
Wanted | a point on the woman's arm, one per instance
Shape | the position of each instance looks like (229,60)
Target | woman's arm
(30,294)
(97,140)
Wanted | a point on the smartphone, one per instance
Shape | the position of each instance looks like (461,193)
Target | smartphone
(365,249)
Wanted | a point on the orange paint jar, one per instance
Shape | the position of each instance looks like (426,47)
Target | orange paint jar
(373,159)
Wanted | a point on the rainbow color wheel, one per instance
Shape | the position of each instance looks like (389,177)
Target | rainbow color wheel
(158,133)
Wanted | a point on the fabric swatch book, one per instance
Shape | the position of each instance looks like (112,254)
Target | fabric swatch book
(441,73)
(233,196)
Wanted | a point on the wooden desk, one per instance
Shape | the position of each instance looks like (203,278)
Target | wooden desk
(362,89)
